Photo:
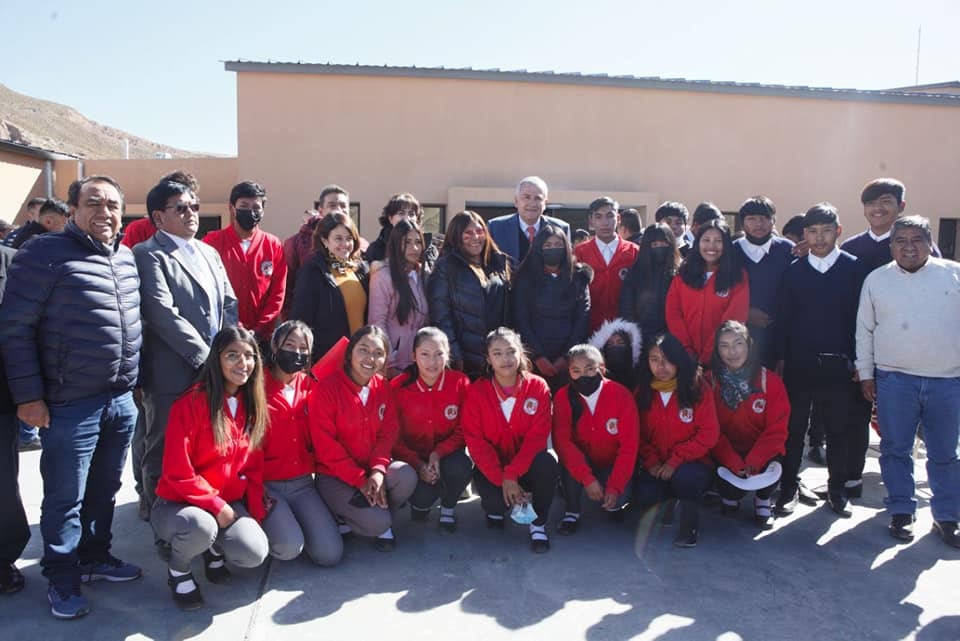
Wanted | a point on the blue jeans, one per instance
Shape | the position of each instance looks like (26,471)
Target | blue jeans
(84,451)
(903,402)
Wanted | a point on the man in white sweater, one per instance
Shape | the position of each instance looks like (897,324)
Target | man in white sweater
(908,358)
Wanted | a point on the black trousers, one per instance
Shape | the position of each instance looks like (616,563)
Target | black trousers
(14,529)
(846,417)
(540,480)
(455,471)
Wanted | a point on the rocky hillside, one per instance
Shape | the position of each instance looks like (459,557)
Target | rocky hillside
(56,127)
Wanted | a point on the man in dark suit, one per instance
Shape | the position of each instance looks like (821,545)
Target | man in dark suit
(186,299)
(514,232)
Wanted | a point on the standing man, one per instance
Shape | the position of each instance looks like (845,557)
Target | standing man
(631,226)
(70,335)
(15,532)
(51,217)
(610,257)
(33,208)
(674,215)
(253,259)
(186,299)
(513,233)
(909,363)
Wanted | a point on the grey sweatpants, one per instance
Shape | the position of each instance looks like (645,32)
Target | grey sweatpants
(299,521)
(191,530)
(400,482)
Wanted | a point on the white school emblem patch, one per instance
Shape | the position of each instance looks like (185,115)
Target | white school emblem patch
(759,405)
(612,426)
(450,412)
(723,293)
(623,273)
(530,406)
(382,411)
(266,268)
(686,415)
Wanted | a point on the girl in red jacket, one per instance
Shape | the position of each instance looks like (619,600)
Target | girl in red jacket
(710,288)
(753,411)
(210,496)
(595,435)
(300,519)
(429,397)
(353,426)
(678,428)
(506,422)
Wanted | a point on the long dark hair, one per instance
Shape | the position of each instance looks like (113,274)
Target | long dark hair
(453,240)
(254,397)
(510,336)
(688,377)
(693,270)
(752,366)
(376,332)
(532,266)
(412,372)
(397,263)
(647,274)
(330,222)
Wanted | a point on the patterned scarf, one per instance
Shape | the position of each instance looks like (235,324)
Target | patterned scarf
(735,387)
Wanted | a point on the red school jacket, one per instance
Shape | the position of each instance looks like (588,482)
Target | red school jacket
(693,315)
(501,449)
(756,431)
(429,418)
(607,279)
(195,472)
(674,435)
(607,437)
(287,449)
(258,276)
(351,439)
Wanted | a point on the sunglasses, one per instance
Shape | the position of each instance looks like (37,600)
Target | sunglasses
(183,208)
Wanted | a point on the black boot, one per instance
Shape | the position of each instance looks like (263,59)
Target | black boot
(687,524)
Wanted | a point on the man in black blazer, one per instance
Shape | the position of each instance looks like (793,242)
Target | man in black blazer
(186,298)
(513,232)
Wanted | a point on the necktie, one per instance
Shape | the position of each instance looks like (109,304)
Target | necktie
(531,231)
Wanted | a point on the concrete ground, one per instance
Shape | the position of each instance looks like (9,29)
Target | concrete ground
(813,577)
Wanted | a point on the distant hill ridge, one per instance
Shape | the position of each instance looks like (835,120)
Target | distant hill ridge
(56,127)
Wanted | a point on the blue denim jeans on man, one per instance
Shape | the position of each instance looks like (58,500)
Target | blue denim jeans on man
(84,451)
(905,401)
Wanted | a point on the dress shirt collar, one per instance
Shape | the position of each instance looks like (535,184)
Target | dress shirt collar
(824,264)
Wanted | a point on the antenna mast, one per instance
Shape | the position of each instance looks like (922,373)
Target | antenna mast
(916,77)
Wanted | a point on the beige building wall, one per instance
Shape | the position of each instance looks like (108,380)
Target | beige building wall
(440,138)
(21,178)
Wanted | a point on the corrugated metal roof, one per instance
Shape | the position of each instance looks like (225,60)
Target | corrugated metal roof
(36,152)
(639,82)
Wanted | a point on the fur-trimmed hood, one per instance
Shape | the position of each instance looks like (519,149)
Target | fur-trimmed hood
(613,326)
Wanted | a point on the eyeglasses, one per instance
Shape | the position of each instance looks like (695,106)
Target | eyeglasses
(183,208)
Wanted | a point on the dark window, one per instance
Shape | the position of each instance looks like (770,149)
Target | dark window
(947,238)
(355,213)
(434,219)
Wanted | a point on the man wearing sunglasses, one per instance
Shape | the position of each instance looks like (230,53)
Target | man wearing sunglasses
(186,298)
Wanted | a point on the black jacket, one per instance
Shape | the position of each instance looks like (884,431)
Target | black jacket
(645,308)
(552,315)
(318,302)
(70,319)
(28,231)
(6,401)
(464,309)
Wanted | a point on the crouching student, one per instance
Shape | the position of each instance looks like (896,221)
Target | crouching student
(506,422)
(429,396)
(299,519)
(595,434)
(678,428)
(210,497)
(753,412)
(353,426)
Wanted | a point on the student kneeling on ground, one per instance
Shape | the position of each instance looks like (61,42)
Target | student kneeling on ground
(595,435)
(210,497)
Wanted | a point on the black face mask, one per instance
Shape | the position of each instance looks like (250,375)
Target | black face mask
(249,218)
(660,254)
(618,357)
(553,256)
(289,361)
(586,385)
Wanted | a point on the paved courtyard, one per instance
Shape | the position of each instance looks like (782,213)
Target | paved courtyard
(813,577)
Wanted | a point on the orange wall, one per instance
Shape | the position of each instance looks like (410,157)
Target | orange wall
(21,178)
(379,135)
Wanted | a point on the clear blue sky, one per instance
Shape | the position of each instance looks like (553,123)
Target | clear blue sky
(156,70)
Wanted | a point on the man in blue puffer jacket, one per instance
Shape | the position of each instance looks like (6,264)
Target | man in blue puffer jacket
(70,335)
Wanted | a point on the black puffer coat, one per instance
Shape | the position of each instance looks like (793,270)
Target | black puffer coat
(318,302)
(466,310)
(551,314)
(70,319)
